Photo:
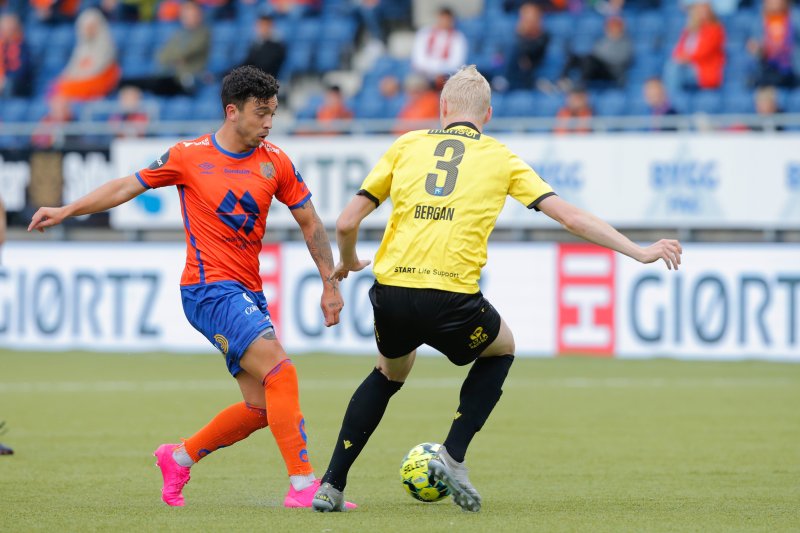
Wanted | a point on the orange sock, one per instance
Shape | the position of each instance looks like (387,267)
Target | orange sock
(231,425)
(285,419)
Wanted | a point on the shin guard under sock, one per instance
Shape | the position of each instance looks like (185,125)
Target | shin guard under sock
(231,425)
(363,414)
(285,419)
(479,394)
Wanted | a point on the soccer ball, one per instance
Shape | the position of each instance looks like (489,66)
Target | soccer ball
(415,477)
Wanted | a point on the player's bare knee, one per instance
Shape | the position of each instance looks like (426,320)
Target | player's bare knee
(396,369)
(503,344)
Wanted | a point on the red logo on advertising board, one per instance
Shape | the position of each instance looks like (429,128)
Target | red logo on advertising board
(585,298)
(270,258)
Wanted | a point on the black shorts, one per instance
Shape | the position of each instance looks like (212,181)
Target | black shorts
(460,326)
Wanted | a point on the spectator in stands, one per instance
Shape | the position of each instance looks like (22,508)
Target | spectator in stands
(421,103)
(266,51)
(530,46)
(92,71)
(55,11)
(609,60)
(441,49)
(169,10)
(183,58)
(48,133)
(766,103)
(132,118)
(15,66)
(655,96)
(333,106)
(774,44)
(699,57)
(389,87)
(575,116)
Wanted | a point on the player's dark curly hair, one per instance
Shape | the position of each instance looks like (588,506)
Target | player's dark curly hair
(247,82)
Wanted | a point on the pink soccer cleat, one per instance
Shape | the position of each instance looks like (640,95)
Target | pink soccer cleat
(303,498)
(175,476)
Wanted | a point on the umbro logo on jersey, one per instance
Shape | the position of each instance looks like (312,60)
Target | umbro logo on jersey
(206,166)
(239,213)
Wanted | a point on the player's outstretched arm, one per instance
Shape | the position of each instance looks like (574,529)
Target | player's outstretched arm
(319,246)
(586,225)
(347,235)
(108,195)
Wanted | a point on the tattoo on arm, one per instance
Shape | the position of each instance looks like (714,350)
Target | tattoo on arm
(319,245)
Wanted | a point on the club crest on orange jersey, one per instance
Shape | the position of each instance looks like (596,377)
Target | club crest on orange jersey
(267,170)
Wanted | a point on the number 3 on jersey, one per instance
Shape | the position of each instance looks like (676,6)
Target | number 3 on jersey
(448,165)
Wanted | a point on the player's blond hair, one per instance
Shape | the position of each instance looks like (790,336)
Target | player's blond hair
(467,93)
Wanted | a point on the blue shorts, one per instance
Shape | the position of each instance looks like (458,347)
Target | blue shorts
(229,315)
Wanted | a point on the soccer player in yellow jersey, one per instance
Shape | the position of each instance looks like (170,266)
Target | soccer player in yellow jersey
(447,188)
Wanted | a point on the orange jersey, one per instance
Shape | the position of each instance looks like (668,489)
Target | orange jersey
(225,198)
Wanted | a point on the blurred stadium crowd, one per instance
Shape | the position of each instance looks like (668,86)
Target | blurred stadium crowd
(135,63)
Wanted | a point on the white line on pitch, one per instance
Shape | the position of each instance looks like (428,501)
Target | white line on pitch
(414,383)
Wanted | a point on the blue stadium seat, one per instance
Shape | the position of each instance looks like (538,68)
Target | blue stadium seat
(611,103)
(681,102)
(636,104)
(207,109)
(228,32)
(37,109)
(37,37)
(742,23)
(136,61)
(793,102)
(142,34)
(547,105)
(339,29)
(308,30)
(590,24)
(519,104)
(14,110)
(473,30)
(119,32)
(709,102)
(298,58)
(62,36)
(738,102)
(309,110)
(647,27)
(582,43)
(328,56)
(163,31)
(219,60)
(559,24)
(177,108)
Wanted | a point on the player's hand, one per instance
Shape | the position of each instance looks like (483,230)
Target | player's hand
(669,250)
(343,269)
(46,217)
(332,302)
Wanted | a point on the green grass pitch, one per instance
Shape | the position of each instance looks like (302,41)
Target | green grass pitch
(575,444)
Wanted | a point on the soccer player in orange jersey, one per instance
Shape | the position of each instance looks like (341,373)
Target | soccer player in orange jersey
(226,182)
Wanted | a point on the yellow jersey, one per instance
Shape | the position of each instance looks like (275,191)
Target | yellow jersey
(447,188)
